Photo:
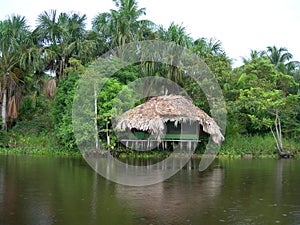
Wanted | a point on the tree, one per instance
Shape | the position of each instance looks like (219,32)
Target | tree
(254,55)
(174,35)
(281,59)
(260,101)
(63,37)
(62,104)
(18,54)
(121,26)
(204,47)
(213,54)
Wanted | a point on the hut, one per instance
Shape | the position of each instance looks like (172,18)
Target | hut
(169,118)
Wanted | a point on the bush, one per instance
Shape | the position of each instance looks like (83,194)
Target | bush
(62,111)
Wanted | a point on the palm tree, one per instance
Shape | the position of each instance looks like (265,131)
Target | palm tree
(61,38)
(254,55)
(175,33)
(204,47)
(17,54)
(281,59)
(278,56)
(121,26)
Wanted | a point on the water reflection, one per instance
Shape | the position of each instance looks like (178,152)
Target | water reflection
(146,172)
(138,175)
(279,178)
(175,200)
(45,190)
(17,205)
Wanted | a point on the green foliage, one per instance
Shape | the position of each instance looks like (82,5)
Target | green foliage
(257,146)
(27,109)
(127,74)
(106,103)
(63,37)
(121,26)
(113,100)
(4,138)
(267,82)
(260,91)
(35,116)
(33,128)
(62,110)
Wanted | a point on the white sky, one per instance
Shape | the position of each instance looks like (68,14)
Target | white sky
(240,25)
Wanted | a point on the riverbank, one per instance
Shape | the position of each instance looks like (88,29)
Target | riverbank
(233,147)
(41,151)
(156,155)
(256,147)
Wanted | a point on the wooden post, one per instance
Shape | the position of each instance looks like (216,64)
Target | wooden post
(197,129)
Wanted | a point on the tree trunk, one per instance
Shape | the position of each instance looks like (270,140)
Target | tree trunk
(4,109)
(278,137)
(95,119)
(107,134)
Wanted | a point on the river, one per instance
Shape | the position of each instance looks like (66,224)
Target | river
(37,190)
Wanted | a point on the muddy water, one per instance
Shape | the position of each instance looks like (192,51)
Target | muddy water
(49,190)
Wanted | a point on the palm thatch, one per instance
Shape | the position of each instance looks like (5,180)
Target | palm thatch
(152,116)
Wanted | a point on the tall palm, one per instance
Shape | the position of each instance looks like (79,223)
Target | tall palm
(281,59)
(278,56)
(62,37)
(121,26)
(204,47)
(177,34)
(254,55)
(17,54)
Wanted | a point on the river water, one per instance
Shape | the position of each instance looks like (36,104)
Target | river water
(50,190)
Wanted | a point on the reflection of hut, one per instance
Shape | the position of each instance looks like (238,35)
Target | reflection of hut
(168,118)
(187,195)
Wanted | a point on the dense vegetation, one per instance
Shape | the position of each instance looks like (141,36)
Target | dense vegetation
(36,108)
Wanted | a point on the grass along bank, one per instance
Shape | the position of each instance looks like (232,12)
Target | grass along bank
(233,147)
(256,146)
(34,144)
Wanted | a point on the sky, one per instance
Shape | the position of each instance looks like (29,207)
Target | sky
(241,25)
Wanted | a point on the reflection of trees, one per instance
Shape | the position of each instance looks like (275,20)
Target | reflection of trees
(48,190)
(170,202)
(258,191)
(23,199)
(45,190)
(8,196)
(279,179)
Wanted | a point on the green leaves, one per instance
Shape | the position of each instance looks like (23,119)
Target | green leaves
(121,26)
(62,110)
(62,37)
(263,90)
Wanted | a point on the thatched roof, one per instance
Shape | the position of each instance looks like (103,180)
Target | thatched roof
(152,115)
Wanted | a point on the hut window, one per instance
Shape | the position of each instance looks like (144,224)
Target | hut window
(172,129)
